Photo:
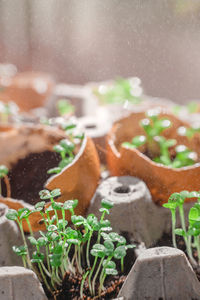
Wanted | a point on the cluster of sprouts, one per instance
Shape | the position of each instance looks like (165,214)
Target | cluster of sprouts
(190,233)
(67,248)
(158,147)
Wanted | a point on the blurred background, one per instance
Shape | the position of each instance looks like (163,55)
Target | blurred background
(94,40)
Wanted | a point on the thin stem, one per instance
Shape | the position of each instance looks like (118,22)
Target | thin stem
(96,274)
(44,278)
(25,244)
(82,284)
(101,283)
(29,226)
(122,264)
(173,212)
(87,250)
(189,250)
(91,272)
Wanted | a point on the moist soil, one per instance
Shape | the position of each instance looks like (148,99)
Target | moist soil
(28,175)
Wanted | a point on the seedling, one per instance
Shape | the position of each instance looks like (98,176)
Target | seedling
(188,131)
(190,234)
(65,107)
(63,248)
(192,107)
(6,110)
(121,91)
(157,146)
(66,147)
(3,175)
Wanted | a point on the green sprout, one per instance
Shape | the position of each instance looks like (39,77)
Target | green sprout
(188,131)
(6,110)
(3,175)
(66,150)
(64,107)
(192,107)
(63,248)
(122,90)
(191,235)
(158,148)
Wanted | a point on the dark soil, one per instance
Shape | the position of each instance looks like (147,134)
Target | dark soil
(28,175)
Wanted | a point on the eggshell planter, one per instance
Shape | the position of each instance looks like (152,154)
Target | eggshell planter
(72,180)
(161,180)
(29,90)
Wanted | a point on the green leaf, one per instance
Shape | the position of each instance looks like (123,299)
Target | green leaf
(105,236)
(55,170)
(73,241)
(193,214)
(57,205)
(55,193)
(44,194)
(120,252)
(179,231)
(40,205)
(24,213)
(65,107)
(12,215)
(3,171)
(58,149)
(98,250)
(128,145)
(42,241)
(37,257)
(67,145)
(78,220)
(70,204)
(171,206)
(105,203)
(52,228)
(139,140)
(112,272)
(55,260)
(102,209)
(33,241)
(20,251)
(109,265)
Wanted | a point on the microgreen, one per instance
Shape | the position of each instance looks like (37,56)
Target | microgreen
(65,107)
(157,147)
(190,233)
(6,110)
(3,175)
(65,248)
(120,91)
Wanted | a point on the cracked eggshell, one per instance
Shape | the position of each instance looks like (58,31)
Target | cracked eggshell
(77,180)
(28,90)
(161,180)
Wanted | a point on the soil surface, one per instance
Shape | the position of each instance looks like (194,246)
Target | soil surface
(28,175)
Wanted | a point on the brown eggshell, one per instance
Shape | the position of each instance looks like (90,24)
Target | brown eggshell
(28,90)
(76,181)
(161,180)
